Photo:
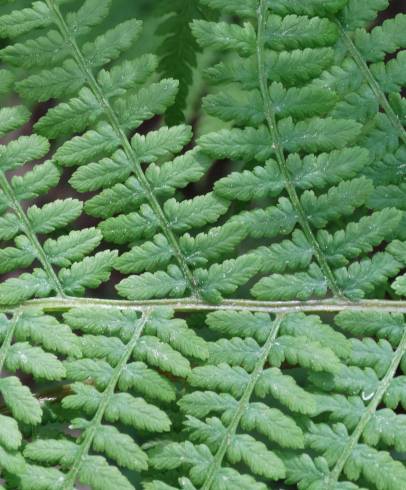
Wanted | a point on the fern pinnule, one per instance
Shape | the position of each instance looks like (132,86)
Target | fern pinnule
(243,365)
(286,130)
(371,374)
(365,372)
(121,355)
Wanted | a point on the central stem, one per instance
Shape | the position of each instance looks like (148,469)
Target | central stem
(61,305)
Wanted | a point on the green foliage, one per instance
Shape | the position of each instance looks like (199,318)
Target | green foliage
(223,406)
(286,129)
(105,392)
(213,306)
(178,43)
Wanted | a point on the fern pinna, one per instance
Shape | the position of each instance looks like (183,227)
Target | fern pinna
(256,338)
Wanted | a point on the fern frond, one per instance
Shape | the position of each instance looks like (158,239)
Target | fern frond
(188,382)
(103,390)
